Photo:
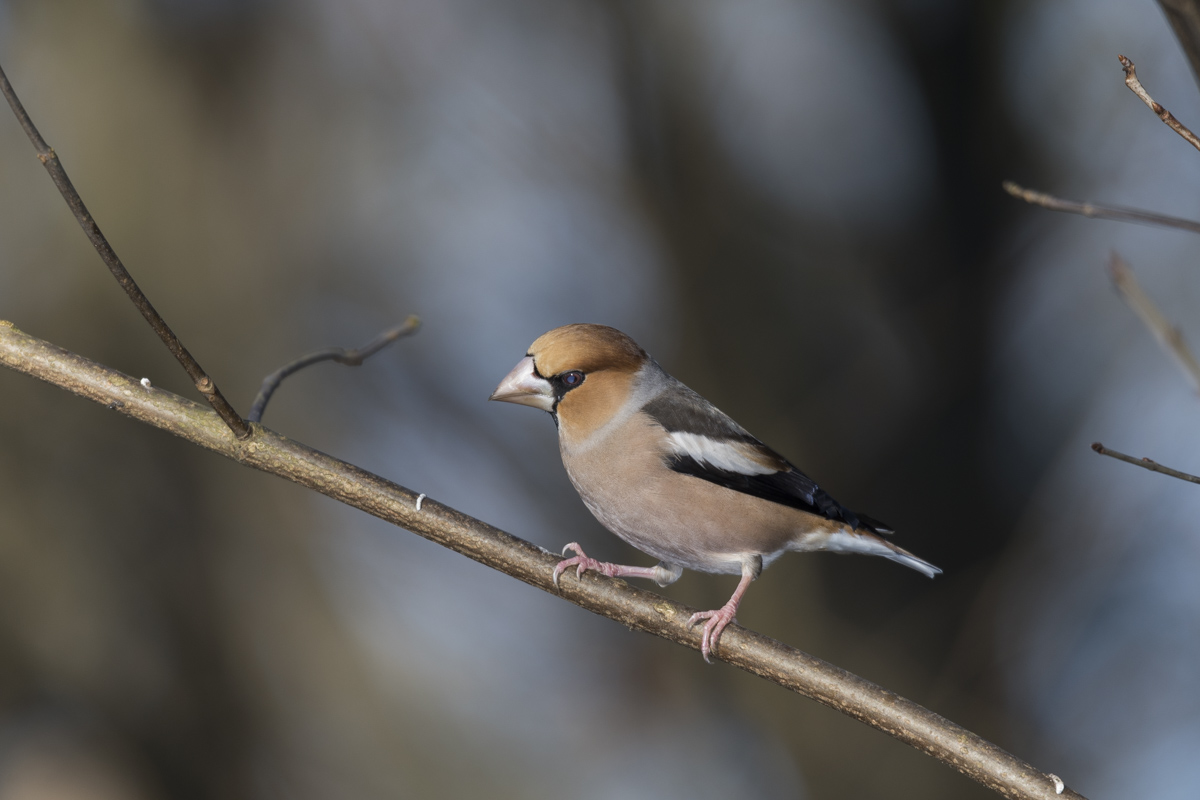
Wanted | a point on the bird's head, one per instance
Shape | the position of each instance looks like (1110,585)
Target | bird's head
(582,373)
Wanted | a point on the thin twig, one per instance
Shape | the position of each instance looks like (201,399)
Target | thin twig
(1135,86)
(351,358)
(46,155)
(1167,334)
(1144,463)
(630,606)
(1099,212)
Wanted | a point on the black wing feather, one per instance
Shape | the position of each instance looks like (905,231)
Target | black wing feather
(679,409)
(789,488)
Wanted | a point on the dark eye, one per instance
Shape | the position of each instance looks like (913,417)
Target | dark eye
(572,378)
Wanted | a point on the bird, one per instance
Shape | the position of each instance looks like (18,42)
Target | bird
(675,477)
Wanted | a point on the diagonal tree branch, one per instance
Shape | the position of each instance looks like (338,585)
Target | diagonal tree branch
(1098,212)
(1144,463)
(632,607)
(49,159)
(1168,335)
(1135,86)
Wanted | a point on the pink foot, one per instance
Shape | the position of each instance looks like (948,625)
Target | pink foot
(582,564)
(662,574)
(716,622)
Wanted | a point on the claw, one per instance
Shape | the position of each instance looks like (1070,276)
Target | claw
(562,567)
(716,622)
(582,563)
(580,559)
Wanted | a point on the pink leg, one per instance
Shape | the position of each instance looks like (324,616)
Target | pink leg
(718,619)
(582,564)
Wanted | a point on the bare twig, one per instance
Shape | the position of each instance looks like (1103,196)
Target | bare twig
(1144,463)
(351,358)
(1131,80)
(1167,334)
(1184,16)
(46,155)
(1099,212)
(632,607)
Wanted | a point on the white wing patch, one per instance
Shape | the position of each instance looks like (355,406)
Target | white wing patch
(728,456)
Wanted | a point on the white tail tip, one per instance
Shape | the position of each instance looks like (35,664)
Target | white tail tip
(845,541)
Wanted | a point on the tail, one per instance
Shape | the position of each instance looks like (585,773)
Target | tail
(860,541)
(902,556)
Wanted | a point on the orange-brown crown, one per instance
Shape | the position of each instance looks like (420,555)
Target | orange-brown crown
(587,348)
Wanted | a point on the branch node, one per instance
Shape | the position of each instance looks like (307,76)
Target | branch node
(46,155)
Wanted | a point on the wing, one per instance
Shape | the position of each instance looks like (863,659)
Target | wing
(705,443)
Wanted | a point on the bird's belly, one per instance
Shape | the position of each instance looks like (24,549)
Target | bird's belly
(682,519)
(685,547)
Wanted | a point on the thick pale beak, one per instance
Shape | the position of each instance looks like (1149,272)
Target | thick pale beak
(524,387)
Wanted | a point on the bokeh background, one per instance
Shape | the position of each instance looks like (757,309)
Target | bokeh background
(794,205)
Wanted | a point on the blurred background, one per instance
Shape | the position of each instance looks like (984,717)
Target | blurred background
(794,205)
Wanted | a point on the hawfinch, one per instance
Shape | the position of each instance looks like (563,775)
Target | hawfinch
(668,472)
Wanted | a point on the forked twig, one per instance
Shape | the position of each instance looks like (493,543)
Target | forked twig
(1145,463)
(1167,334)
(46,155)
(1099,212)
(1135,86)
(351,358)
